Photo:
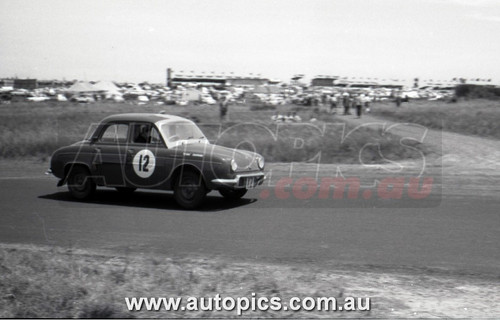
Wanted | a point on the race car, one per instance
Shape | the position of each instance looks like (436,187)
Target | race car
(155,151)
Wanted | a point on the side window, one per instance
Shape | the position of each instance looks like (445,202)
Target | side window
(146,134)
(115,133)
(155,136)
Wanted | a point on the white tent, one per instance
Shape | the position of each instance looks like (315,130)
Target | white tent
(108,88)
(81,87)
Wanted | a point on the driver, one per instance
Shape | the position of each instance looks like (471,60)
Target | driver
(143,136)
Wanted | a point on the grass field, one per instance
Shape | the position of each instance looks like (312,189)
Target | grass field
(91,285)
(94,284)
(38,129)
(471,117)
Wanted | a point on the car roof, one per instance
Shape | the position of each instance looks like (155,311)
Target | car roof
(143,117)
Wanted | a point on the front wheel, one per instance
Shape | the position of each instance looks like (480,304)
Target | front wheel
(80,184)
(189,190)
(233,194)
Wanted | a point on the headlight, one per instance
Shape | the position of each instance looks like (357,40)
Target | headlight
(260,162)
(234,165)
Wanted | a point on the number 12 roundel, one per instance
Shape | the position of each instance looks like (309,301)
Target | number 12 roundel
(144,163)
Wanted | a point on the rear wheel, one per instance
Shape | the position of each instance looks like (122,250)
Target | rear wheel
(80,184)
(233,193)
(189,190)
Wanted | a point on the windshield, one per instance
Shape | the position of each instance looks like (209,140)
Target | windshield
(181,130)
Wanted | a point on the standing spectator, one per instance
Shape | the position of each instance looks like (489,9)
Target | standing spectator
(359,105)
(354,101)
(346,101)
(333,104)
(223,106)
(316,100)
(365,101)
(324,98)
(398,101)
(367,105)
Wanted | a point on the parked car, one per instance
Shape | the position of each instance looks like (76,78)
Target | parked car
(155,151)
(207,99)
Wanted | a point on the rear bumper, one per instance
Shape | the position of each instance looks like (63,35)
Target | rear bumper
(240,181)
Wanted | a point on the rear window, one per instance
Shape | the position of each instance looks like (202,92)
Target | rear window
(115,133)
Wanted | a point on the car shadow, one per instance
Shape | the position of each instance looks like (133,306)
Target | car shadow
(149,200)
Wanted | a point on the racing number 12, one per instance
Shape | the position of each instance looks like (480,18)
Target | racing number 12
(143,166)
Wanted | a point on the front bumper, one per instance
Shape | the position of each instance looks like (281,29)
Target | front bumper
(49,173)
(242,181)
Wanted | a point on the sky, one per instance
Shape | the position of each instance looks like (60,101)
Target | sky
(136,40)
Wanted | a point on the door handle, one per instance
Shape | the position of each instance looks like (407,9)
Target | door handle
(97,156)
(130,154)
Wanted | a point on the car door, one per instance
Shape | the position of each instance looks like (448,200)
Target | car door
(110,149)
(145,161)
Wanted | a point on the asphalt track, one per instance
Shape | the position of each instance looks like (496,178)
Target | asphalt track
(459,234)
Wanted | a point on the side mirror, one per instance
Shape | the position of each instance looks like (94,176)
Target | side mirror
(93,139)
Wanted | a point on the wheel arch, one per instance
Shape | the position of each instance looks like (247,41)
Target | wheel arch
(177,171)
(68,166)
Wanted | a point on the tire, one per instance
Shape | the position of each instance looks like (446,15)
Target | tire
(80,184)
(233,194)
(189,190)
(125,190)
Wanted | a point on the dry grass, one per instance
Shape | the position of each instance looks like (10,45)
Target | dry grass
(48,282)
(38,129)
(470,117)
(55,283)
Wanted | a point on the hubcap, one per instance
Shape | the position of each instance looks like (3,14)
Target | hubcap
(189,189)
(79,183)
(188,192)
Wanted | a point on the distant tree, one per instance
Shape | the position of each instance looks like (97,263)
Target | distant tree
(477,91)
(462,90)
